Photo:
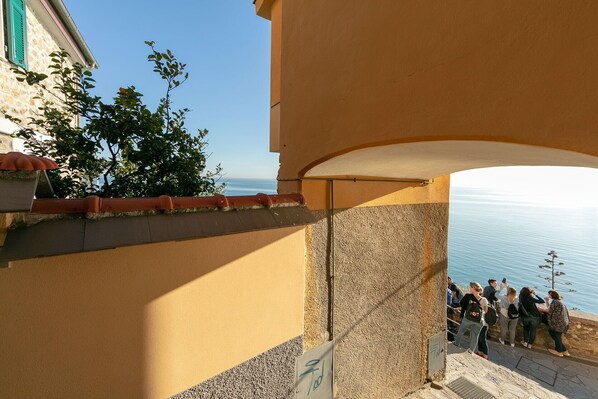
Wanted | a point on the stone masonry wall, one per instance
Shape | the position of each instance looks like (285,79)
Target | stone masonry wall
(17,98)
(390,271)
(581,339)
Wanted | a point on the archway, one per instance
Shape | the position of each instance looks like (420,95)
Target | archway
(377,260)
(429,159)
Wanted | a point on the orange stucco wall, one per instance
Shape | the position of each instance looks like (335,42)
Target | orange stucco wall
(147,321)
(350,194)
(360,73)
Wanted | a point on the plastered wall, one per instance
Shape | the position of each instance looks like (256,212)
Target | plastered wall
(148,321)
(390,267)
(355,74)
(386,246)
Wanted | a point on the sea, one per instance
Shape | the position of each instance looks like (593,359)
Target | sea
(500,234)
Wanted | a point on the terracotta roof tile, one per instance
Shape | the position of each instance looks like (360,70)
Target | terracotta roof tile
(19,161)
(93,204)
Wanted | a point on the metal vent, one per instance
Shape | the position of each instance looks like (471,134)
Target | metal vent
(468,390)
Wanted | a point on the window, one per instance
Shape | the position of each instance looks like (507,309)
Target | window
(16,31)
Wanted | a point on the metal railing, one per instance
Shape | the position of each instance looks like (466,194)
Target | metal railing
(451,320)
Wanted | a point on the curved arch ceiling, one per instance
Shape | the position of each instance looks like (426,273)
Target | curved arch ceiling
(427,160)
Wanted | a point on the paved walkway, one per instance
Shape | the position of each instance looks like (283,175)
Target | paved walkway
(516,373)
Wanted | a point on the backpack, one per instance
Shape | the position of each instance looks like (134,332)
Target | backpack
(474,311)
(567,320)
(558,317)
(513,312)
(490,317)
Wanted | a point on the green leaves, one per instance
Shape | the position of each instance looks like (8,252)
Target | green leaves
(167,66)
(32,78)
(123,149)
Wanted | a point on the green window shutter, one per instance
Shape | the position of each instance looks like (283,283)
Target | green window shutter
(17,32)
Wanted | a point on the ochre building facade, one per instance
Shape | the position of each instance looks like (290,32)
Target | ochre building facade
(373,106)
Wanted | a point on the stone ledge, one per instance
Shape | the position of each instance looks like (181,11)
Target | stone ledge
(585,318)
(580,340)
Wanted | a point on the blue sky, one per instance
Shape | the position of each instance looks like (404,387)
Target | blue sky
(227,50)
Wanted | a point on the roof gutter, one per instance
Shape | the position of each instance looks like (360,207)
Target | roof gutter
(70,25)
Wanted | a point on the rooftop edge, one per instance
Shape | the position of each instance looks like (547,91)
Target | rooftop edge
(94,204)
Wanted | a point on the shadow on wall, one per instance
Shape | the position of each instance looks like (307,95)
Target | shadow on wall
(380,309)
(390,272)
(402,292)
(350,194)
(147,321)
(406,289)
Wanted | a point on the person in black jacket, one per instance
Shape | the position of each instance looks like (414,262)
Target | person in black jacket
(530,315)
(473,306)
(456,293)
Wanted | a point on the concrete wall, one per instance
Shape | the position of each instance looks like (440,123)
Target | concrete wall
(390,273)
(154,320)
(16,98)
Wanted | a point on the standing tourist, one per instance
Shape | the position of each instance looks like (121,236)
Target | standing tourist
(483,338)
(558,323)
(508,316)
(491,294)
(454,296)
(456,293)
(490,291)
(530,315)
(473,306)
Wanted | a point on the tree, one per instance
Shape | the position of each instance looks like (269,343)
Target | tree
(122,148)
(551,264)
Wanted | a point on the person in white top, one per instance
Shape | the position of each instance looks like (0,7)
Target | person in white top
(508,316)
(483,337)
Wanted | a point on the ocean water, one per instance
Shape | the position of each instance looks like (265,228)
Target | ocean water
(501,234)
(496,234)
(238,186)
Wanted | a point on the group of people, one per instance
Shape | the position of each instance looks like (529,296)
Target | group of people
(481,308)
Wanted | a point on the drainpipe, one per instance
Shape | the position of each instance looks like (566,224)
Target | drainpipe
(332,285)
(331,272)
